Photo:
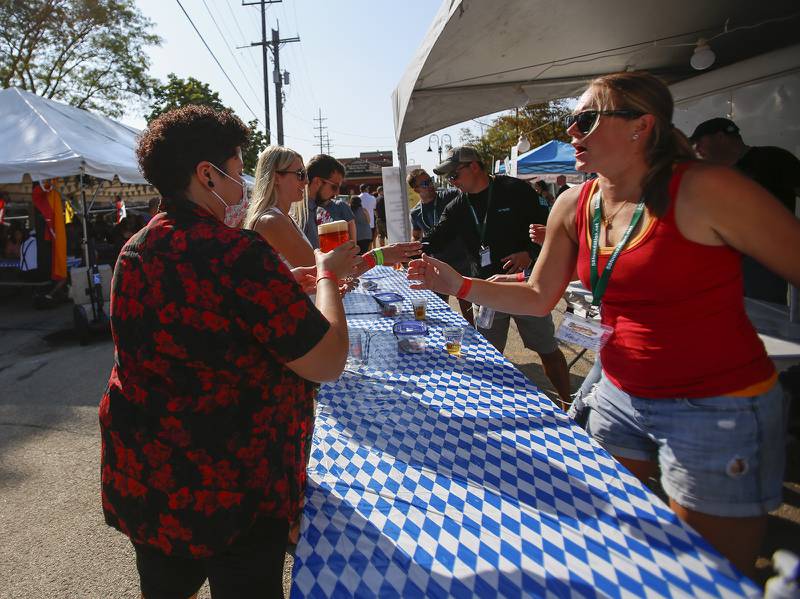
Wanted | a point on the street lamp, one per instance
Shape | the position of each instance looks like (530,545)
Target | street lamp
(445,142)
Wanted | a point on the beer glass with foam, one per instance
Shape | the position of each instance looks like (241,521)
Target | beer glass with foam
(332,235)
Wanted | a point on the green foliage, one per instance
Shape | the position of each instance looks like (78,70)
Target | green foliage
(258,141)
(177,92)
(540,123)
(88,53)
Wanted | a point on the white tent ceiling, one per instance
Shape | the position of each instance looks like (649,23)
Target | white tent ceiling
(45,139)
(480,56)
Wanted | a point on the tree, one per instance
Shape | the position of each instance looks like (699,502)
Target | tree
(540,123)
(88,53)
(177,92)
(258,141)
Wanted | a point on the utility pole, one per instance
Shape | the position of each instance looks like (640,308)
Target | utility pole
(322,132)
(277,77)
(264,44)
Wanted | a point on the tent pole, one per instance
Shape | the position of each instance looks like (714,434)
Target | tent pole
(86,252)
(403,161)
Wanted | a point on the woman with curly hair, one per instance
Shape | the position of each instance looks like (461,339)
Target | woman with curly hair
(218,351)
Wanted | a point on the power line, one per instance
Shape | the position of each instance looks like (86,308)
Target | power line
(243,36)
(321,130)
(225,41)
(200,35)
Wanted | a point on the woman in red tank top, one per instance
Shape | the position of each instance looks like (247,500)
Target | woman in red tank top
(687,386)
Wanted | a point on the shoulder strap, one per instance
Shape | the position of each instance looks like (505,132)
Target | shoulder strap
(678,171)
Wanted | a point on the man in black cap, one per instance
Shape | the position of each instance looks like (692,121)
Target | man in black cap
(492,216)
(718,140)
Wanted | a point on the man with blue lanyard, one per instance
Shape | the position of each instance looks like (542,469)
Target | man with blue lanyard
(425,216)
(492,216)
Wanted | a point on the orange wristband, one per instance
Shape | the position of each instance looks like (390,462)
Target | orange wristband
(520,276)
(466,285)
(327,274)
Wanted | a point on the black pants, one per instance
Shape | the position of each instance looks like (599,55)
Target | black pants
(251,567)
(363,245)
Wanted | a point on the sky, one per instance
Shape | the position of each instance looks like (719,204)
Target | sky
(351,55)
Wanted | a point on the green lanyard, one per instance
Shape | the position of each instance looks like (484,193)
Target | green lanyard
(482,228)
(599,284)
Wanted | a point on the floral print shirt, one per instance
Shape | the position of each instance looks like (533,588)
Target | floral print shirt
(204,428)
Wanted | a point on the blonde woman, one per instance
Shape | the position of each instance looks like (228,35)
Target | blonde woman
(279,189)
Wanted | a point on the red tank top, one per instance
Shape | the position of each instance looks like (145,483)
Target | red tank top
(677,309)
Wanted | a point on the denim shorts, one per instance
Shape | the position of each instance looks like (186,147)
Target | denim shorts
(722,456)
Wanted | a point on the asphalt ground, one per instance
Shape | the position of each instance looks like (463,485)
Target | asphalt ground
(54,542)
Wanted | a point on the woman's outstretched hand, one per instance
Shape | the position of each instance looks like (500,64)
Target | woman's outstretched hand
(433,274)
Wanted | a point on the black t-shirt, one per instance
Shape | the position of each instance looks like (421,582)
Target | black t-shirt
(778,171)
(775,169)
(514,207)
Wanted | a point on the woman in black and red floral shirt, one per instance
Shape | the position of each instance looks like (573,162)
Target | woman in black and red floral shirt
(217,351)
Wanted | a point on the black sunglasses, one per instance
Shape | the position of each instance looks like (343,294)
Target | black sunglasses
(299,173)
(455,174)
(587,118)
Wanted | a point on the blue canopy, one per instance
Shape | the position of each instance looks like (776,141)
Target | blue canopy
(552,157)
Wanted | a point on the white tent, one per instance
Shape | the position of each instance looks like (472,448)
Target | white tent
(480,57)
(46,139)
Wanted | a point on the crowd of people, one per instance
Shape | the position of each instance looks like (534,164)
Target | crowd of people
(227,316)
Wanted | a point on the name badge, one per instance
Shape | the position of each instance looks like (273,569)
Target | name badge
(486,256)
(590,334)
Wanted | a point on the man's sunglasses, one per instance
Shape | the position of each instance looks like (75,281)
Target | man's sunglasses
(299,173)
(336,186)
(456,173)
(586,119)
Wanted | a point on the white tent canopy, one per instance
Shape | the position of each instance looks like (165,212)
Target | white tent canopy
(480,57)
(46,139)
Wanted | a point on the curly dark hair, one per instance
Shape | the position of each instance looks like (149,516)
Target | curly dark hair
(175,142)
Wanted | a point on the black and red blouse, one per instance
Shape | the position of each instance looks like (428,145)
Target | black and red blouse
(204,428)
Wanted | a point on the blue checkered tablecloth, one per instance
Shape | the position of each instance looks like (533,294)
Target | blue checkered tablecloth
(360,301)
(437,476)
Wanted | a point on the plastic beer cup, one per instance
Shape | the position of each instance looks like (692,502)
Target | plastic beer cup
(452,340)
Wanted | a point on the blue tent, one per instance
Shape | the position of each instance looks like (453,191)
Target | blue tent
(552,157)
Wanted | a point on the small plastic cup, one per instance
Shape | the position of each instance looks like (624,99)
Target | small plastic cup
(390,308)
(355,353)
(452,340)
(419,307)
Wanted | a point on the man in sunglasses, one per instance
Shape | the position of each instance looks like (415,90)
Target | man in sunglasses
(325,175)
(425,216)
(492,216)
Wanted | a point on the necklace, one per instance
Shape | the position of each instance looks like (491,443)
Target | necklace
(608,220)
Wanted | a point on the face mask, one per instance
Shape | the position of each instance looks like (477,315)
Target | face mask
(234,215)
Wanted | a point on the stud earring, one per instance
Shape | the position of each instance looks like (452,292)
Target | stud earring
(635,136)
(210,183)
